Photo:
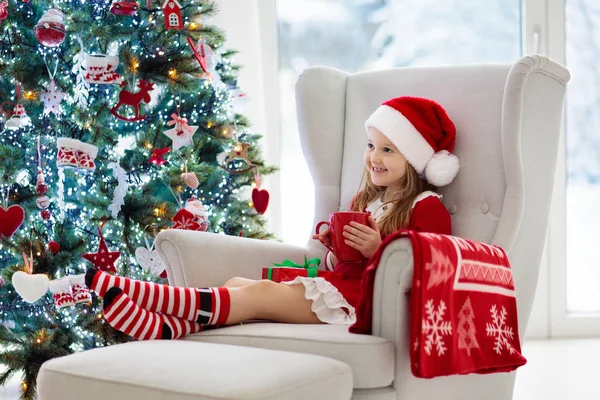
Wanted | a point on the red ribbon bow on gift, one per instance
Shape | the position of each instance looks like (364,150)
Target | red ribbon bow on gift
(157,156)
(180,123)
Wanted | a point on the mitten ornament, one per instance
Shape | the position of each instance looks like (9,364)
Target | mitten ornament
(101,69)
(50,29)
(103,259)
(127,98)
(76,154)
(61,292)
(86,156)
(81,293)
(67,152)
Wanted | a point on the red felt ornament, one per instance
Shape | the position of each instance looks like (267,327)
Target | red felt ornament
(50,29)
(103,259)
(127,8)
(45,214)
(199,53)
(260,198)
(3,10)
(185,220)
(134,100)
(10,220)
(157,156)
(53,247)
(172,13)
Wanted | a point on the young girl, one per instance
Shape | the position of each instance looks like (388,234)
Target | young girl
(407,155)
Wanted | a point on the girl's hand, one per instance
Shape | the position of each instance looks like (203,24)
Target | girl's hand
(365,239)
(324,237)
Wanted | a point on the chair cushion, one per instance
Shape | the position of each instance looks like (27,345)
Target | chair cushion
(370,357)
(178,370)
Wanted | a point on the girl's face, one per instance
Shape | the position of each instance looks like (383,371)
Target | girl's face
(384,162)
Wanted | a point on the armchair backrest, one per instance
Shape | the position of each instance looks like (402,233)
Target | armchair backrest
(508,119)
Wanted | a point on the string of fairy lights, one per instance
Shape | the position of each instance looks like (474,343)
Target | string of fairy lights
(78,186)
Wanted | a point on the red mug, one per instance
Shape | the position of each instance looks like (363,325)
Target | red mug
(337,221)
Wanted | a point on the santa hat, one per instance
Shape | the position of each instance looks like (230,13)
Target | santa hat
(195,206)
(421,130)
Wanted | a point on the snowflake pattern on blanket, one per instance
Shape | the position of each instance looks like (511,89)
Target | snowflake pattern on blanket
(463,308)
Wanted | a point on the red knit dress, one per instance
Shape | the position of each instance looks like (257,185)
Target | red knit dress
(334,300)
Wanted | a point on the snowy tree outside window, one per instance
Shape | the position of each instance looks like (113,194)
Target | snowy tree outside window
(583,155)
(360,35)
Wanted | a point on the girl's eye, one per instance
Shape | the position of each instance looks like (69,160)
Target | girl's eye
(387,150)
(370,146)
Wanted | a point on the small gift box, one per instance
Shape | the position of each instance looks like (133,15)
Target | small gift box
(289,270)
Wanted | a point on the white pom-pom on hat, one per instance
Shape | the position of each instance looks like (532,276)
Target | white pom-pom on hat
(442,168)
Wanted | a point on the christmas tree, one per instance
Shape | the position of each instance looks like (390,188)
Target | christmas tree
(121,119)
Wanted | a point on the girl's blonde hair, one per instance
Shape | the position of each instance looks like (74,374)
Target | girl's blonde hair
(399,216)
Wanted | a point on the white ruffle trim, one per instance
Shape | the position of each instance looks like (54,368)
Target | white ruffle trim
(327,301)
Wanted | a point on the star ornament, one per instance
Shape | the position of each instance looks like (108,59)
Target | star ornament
(52,99)
(103,259)
(181,134)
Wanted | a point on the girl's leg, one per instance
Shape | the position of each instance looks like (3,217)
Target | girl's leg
(123,314)
(196,305)
(270,301)
(258,300)
(237,282)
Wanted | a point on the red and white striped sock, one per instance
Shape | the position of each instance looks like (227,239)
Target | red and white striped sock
(125,315)
(207,306)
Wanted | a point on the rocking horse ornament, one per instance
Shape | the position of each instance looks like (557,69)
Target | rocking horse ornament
(134,100)
(238,152)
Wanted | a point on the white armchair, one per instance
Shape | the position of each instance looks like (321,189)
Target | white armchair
(508,120)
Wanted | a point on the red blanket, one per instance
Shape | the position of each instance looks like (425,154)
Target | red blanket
(463,306)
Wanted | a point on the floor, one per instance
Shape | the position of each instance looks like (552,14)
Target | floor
(556,370)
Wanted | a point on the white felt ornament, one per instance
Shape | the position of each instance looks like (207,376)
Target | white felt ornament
(149,259)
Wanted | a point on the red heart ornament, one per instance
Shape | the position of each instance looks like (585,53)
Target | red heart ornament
(260,198)
(10,220)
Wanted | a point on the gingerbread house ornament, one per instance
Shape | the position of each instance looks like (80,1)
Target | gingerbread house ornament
(172,12)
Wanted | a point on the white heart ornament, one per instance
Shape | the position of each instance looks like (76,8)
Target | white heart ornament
(30,287)
(149,260)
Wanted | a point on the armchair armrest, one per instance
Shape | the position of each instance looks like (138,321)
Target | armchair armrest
(391,303)
(202,259)
(391,320)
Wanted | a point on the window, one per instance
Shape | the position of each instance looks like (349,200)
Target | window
(359,35)
(173,19)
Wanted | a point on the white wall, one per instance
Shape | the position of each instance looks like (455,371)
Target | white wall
(254,36)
